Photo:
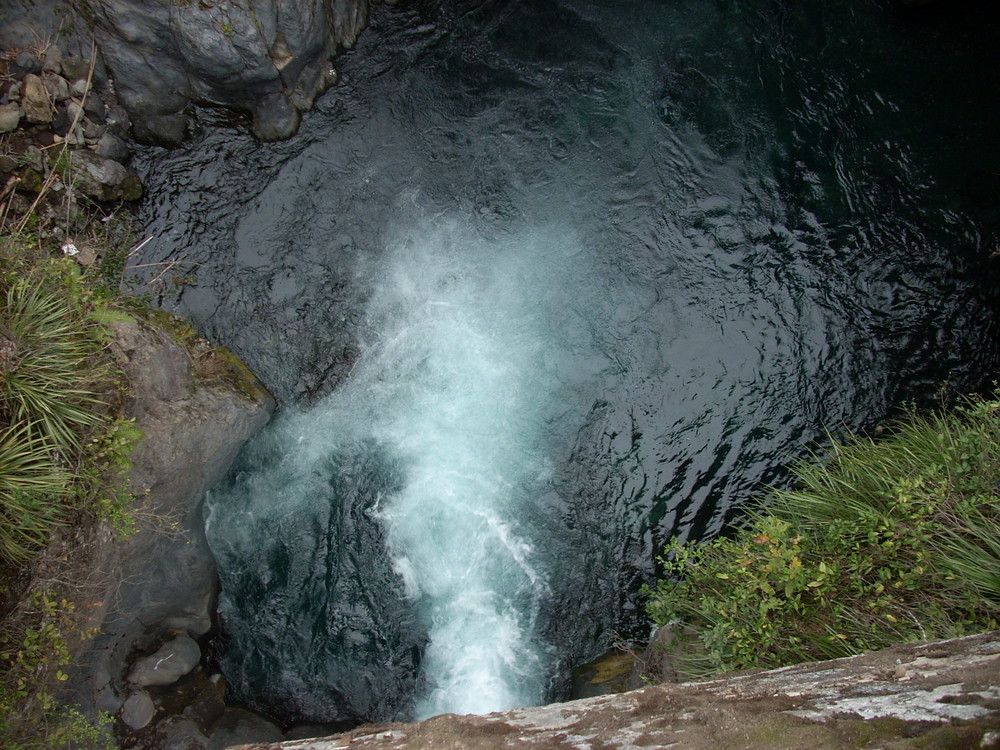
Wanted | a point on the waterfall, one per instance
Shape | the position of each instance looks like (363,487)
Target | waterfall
(460,379)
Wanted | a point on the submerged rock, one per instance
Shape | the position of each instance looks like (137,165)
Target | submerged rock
(274,118)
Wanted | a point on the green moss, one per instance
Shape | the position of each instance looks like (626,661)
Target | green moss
(212,362)
(949,738)
(237,374)
(31,181)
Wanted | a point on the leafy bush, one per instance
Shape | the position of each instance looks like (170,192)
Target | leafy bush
(30,718)
(879,542)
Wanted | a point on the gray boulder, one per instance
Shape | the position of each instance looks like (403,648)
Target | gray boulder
(103,179)
(56,86)
(98,177)
(238,726)
(180,733)
(35,100)
(112,147)
(10,116)
(167,664)
(25,63)
(270,58)
(138,710)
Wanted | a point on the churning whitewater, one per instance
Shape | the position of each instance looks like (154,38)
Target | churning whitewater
(456,389)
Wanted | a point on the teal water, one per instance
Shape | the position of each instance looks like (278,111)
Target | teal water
(541,284)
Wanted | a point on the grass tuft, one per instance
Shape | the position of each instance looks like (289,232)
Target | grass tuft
(43,373)
(30,486)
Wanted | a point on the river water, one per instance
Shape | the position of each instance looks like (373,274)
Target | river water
(541,284)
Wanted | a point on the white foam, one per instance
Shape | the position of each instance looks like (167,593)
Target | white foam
(454,366)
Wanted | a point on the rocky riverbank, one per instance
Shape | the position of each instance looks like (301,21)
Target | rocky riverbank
(150,596)
(196,405)
(63,142)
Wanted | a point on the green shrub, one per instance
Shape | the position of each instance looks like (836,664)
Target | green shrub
(878,543)
(64,456)
(30,716)
(49,370)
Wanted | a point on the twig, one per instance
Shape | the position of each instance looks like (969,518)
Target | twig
(137,247)
(8,189)
(168,263)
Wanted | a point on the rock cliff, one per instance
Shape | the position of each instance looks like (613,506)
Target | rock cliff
(270,58)
(196,409)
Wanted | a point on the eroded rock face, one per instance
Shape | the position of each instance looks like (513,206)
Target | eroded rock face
(162,581)
(270,58)
(941,694)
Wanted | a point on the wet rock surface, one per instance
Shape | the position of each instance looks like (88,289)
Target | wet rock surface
(938,694)
(167,664)
(267,58)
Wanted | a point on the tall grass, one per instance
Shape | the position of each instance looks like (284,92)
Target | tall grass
(878,542)
(31,488)
(43,378)
(63,456)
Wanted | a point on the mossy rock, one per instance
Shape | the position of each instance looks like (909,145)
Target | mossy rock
(210,362)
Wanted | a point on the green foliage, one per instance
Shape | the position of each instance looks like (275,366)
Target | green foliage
(879,542)
(30,487)
(30,716)
(54,381)
(43,375)
(64,456)
(118,236)
(103,474)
